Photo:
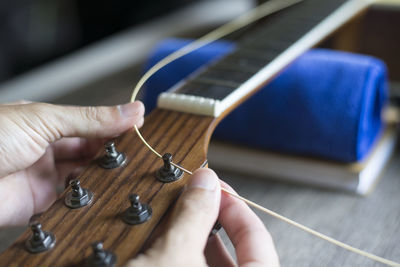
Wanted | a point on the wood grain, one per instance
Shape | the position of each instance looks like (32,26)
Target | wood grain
(185,136)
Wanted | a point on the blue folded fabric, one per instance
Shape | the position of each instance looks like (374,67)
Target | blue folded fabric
(325,104)
(168,76)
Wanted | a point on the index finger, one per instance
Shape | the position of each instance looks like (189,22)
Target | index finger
(73,148)
(252,241)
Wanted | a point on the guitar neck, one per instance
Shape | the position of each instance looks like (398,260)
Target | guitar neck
(258,58)
(183,128)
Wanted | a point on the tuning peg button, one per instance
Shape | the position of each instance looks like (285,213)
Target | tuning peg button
(78,197)
(112,159)
(40,240)
(101,257)
(138,212)
(168,173)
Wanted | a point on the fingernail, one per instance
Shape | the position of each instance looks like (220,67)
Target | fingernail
(207,182)
(131,109)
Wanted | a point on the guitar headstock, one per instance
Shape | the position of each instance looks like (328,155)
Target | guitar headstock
(107,211)
(118,205)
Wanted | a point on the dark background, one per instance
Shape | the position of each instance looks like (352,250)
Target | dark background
(34,32)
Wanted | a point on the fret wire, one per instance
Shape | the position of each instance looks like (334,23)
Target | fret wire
(240,65)
(220,76)
(265,43)
(275,46)
(285,29)
(296,19)
(212,81)
(211,38)
(187,89)
(255,51)
(206,90)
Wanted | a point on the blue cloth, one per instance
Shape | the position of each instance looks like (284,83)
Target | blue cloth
(168,76)
(326,104)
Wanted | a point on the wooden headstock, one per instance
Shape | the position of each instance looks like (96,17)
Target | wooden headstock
(185,136)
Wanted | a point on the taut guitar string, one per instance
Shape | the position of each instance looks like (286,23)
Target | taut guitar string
(249,17)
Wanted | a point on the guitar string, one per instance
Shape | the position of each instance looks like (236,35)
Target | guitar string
(249,17)
(253,15)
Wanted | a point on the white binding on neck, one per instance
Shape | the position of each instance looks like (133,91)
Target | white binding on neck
(211,107)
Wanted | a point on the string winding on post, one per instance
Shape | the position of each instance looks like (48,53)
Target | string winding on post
(249,17)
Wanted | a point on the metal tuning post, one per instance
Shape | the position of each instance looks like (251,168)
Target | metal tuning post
(78,197)
(112,159)
(40,240)
(168,173)
(101,257)
(138,212)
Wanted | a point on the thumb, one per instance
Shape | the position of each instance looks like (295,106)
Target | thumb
(195,212)
(52,122)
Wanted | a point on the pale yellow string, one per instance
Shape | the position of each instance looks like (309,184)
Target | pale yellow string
(247,18)
(289,221)
(313,232)
(251,16)
(243,20)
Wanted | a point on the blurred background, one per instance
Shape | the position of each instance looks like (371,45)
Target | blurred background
(37,32)
(92,53)
(51,48)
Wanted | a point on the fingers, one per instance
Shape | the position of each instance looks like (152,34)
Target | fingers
(253,243)
(68,170)
(72,175)
(191,222)
(52,122)
(217,254)
(19,102)
(43,180)
(195,213)
(16,200)
(28,129)
(73,148)
(192,219)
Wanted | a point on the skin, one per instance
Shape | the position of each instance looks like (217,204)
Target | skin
(187,241)
(41,143)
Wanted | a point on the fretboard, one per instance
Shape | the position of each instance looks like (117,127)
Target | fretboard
(259,56)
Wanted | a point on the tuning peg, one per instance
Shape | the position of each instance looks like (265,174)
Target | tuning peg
(168,173)
(78,197)
(40,240)
(101,257)
(138,212)
(112,159)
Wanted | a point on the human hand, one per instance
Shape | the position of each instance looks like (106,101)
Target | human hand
(41,143)
(187,241)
